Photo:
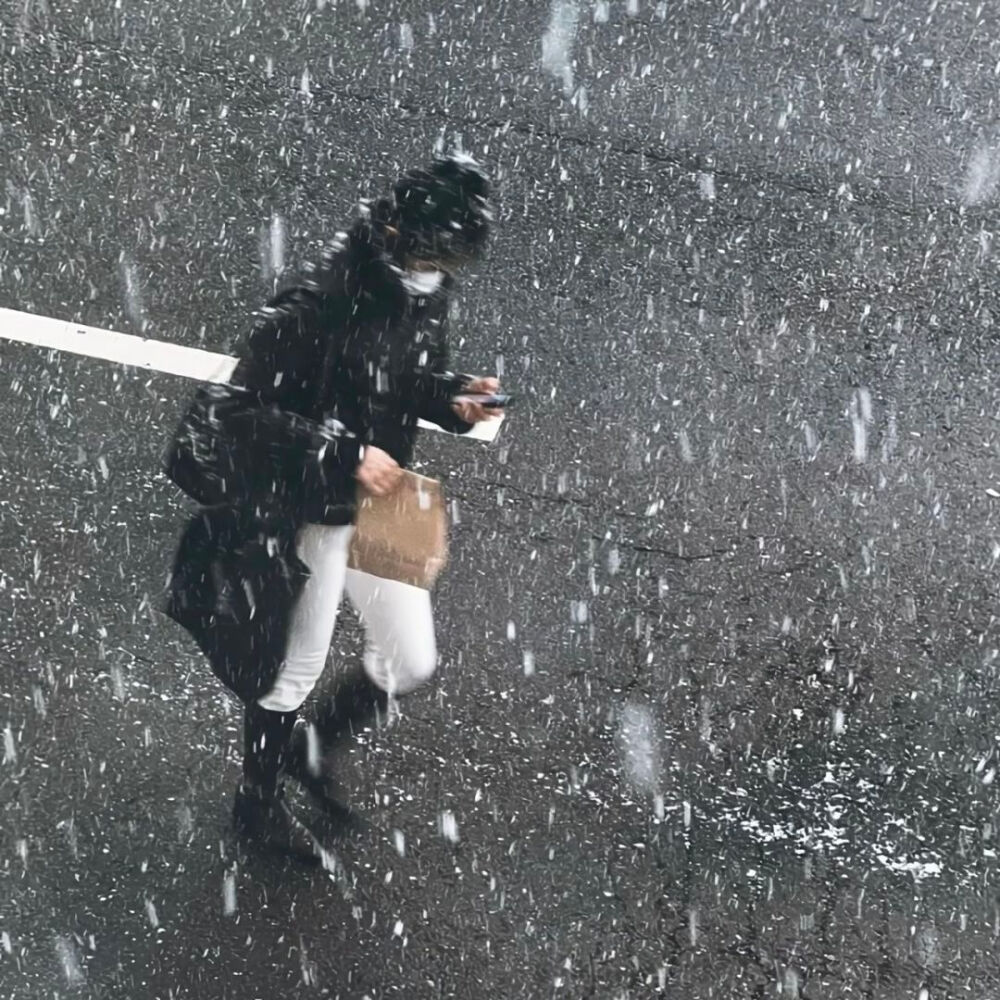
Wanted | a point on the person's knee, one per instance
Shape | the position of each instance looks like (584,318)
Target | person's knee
(422,664)
(413,668)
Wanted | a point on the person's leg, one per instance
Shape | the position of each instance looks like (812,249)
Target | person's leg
(269,724)
(400,654)
(259,810)
(324,550)
(266,737)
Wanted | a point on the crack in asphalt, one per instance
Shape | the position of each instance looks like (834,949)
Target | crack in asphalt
(685,159)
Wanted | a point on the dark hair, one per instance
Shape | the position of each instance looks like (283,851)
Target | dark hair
(442,211)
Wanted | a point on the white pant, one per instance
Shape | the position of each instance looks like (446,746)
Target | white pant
(400,653)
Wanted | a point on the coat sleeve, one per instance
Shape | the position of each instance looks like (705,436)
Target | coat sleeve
(442,384)
(277,373)
(277,360)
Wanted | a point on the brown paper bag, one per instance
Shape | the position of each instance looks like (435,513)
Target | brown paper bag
(402,536)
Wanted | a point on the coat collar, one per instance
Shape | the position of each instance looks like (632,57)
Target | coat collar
(357,265)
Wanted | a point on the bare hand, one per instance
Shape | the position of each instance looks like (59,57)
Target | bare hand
(474,413)
(379,473)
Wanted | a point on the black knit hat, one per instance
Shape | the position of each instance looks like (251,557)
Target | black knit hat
(443,211)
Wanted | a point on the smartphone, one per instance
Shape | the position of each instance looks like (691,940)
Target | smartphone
(489,400)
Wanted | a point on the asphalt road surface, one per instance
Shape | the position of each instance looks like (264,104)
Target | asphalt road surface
(716,714)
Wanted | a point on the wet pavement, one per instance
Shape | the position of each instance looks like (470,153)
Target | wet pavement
(716,711)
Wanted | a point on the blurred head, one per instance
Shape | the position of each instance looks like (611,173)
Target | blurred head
(441,215)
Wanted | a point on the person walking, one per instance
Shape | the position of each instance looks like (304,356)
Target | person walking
(325,398)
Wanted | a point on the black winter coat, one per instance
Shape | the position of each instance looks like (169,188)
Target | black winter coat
(349,348)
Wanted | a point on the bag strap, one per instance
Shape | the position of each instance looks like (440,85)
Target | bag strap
(333,328)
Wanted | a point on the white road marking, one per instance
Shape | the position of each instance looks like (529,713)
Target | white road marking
(150,355)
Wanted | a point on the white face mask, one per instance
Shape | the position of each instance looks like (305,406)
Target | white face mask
(421,282)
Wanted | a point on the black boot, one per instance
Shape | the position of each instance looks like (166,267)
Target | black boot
(310,767)
(356,705)
(260,812)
